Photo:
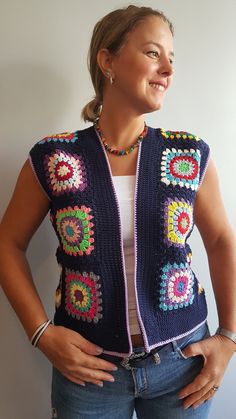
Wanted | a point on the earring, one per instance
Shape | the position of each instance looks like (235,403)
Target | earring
(108,74)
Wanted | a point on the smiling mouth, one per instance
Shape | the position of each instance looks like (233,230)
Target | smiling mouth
(157,86)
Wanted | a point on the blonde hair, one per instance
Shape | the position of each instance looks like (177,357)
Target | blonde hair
(111,32)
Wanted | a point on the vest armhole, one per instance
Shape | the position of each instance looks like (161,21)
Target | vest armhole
(207,159)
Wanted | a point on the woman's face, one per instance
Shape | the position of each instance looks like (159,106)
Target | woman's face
(147,57)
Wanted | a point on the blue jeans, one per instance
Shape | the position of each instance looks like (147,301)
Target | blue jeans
(151,391)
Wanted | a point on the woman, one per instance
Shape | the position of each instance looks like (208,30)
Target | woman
(142,343)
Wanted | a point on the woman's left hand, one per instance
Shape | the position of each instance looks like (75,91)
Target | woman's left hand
(216,351)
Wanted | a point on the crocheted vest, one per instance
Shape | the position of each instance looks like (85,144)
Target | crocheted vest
(91,297)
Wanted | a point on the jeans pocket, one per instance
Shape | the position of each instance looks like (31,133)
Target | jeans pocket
(201,333)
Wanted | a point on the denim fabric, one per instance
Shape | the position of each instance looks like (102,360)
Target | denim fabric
(151,391)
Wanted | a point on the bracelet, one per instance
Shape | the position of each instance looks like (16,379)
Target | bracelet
(39,331)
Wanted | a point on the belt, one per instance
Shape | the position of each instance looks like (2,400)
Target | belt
(138,359)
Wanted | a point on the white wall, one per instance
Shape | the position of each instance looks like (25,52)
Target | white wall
(44,83)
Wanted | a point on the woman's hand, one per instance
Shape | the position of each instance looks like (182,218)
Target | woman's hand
(74,356)
(216,351)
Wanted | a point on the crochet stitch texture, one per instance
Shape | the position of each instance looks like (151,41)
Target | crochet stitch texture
(91,297)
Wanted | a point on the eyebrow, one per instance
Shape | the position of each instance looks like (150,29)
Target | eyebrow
(159,46)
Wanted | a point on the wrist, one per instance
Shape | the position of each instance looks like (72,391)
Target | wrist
(227,334)
(39,332)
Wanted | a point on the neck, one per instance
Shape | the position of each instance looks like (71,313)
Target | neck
(120,129)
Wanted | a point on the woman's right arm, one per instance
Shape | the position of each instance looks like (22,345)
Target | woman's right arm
(67,350)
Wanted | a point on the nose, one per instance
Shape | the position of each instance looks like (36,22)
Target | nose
(165,68)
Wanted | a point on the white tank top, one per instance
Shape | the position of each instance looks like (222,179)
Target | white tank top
(125,186)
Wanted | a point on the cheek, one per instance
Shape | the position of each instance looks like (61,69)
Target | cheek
(137,70)
(134,78)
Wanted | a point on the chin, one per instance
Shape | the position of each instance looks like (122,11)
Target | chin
(148,107)
(157,107)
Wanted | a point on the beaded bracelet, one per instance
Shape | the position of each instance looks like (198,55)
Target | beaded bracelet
(39,331)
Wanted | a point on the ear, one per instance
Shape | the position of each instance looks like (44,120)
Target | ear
(104,60)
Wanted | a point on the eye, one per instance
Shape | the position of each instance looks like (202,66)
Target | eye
(153,54)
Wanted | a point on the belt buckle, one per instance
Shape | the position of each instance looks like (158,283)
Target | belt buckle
(125,361)
(125,364)
(156,358)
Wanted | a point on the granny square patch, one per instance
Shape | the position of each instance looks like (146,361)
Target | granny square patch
(75,230)
(178,221)
(65,172)
(173,135)
(63,137)
(181,167)
(176,290)
(83,296)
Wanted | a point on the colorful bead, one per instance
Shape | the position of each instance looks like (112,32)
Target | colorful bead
(83,296)
(173,135)
(178,219)
(75,230)
(65,172)
(63,137)
(176,287)
(116,151)
(181,167)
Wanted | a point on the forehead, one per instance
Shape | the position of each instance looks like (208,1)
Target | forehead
(153,29)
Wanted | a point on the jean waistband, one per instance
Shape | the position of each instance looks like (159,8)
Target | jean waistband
(169,347)
(139,356)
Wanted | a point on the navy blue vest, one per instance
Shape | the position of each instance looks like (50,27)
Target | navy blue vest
(91,297)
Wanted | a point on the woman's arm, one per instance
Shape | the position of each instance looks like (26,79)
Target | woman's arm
(26,210)
(68,351)
(220,244)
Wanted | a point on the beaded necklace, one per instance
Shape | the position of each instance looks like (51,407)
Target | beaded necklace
(120,152)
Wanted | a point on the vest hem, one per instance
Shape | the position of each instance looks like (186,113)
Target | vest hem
(164,342)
